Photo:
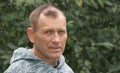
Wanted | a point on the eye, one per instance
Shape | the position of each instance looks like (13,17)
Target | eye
(48,32)
(61,32)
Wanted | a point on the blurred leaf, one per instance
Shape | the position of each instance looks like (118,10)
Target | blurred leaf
(11,46)
(105,44)
(22,40)
(108,3)
(70,23)
(79,2)
(101,2)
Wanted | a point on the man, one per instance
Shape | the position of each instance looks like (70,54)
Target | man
(48,34)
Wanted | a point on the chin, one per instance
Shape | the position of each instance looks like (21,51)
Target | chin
(56,56)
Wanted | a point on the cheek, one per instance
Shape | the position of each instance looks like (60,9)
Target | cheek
(64,40)
(65,37)
(43,40)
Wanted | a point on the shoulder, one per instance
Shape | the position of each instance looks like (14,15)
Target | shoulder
(68,69)
(17,67)
(27,66)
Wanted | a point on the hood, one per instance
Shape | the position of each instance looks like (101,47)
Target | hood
(27,54)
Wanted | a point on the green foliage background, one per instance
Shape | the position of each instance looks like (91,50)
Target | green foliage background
(93,45)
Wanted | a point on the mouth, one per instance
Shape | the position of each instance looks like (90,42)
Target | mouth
(55,48)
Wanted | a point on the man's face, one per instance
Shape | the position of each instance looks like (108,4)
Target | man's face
(50,37)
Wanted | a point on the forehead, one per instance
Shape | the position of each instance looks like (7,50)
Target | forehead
(43,20)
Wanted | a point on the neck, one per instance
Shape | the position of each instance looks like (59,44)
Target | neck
(51,61)
(54,63)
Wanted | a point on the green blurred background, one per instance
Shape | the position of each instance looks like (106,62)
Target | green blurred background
(93,44)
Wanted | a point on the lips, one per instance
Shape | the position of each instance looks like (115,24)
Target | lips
(55,48)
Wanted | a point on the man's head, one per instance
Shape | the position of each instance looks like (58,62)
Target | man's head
(48,31)
(46,10)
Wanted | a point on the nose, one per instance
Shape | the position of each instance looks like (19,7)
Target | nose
(56,38)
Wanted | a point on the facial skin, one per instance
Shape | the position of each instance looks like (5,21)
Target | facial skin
(50,38)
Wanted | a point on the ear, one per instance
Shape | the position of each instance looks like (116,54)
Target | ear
(30,34)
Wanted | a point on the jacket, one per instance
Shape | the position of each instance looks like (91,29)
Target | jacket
(24,61)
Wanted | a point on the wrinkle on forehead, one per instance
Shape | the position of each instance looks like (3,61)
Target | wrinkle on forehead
(52,20)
